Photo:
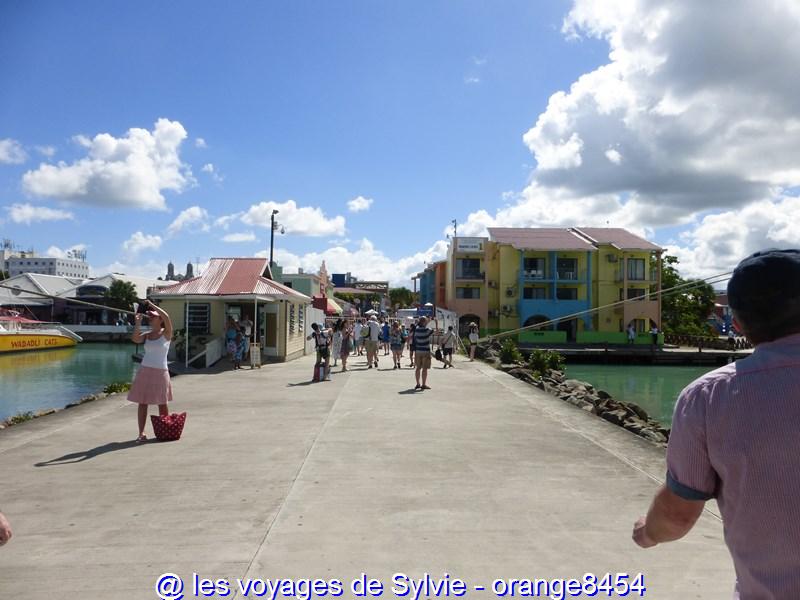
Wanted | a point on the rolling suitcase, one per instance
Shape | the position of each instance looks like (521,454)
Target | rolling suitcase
(319,372)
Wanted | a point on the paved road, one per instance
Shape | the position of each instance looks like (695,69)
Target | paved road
(482,477)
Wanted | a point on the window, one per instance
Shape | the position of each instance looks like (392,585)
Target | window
(468,268)
(567,293)
(291,319)
(634,293)
(198,317)
(301,313)
(567,268)
(636,269)
(534,268)
(466,293)
(534,293)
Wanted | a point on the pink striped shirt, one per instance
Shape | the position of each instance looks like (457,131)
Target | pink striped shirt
(736,437)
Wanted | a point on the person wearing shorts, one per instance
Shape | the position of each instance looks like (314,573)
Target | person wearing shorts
(448,345)
(473,340)
(422,353)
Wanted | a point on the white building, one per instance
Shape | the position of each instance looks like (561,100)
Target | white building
(62,267)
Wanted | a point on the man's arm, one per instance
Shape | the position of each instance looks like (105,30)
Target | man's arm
(670,518)
(5,530)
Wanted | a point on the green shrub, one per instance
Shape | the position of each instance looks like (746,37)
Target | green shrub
(541,361)
(509,353)
(20,418)
(117,387)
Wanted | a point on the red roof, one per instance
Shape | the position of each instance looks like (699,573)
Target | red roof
(540,238)
(232,277)
(617,237)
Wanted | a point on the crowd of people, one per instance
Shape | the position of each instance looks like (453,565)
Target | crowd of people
(380,336)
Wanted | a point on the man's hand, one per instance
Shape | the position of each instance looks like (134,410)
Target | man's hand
(5,530)
(137,318)
(640,534)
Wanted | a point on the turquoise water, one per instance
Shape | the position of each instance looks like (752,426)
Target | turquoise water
(31,381)
(654,388)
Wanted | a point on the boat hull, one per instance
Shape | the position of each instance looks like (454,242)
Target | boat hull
(26,342)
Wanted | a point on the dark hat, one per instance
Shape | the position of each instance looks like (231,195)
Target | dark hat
(765,280)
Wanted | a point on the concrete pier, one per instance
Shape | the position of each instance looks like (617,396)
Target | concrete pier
(482,477)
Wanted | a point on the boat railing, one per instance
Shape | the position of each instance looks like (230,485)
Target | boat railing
(70,334)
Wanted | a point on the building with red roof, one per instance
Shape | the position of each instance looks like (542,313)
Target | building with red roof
(227,292)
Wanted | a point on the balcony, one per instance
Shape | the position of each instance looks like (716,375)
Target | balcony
(534,275)
(470,276)
(570,275)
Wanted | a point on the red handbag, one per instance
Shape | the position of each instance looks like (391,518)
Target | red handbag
(168,428)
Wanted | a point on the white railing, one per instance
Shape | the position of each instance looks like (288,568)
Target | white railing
(212,351)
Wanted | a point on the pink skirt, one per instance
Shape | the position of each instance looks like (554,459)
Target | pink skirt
(151,386)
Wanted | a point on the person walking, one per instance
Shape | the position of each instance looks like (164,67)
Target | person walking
(373,335)
(357,339)
(473,340)
(231,330)
(654,336)
(410,340)
(152,384)
(241,350)
(448,345)
(422,353)
(631,334)
(337,341)
(386,331)
(5,530)
(246,327)
(396,341)
(734,438)
(347,342)
(322,338)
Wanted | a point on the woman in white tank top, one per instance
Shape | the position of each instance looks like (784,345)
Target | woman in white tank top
(151,384)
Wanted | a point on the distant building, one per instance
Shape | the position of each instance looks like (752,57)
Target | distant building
(172,276)
(61,267)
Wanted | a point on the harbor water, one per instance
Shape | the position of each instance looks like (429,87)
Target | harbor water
(33,381)
(654,388)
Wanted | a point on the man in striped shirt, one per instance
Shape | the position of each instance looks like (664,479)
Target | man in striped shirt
(735,438)
(422,351)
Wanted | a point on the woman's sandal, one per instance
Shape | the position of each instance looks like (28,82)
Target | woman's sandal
(141,438)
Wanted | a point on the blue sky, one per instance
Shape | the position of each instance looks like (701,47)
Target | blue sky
(420,107)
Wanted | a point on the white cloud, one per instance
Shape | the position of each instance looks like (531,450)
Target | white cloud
(149,270)
(46,151)
(472,79)
(689,124)
(28,213)
(479,61)
(200,143)
(56,252)
(213,171)
(297,220)
(12,152)
(614,156)
(225,222)
(193,218)
(140,241)
(239,237)
(719,241)
(130,171)
(359,204)
(365,262)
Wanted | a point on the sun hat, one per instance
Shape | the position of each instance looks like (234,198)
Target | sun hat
(765,280)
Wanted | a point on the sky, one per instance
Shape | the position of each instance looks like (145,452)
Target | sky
(151,132)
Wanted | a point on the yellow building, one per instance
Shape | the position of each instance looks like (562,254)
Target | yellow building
(522,276)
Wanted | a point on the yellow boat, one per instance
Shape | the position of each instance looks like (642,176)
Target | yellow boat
(18,334)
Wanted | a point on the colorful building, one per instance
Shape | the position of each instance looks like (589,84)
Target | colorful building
(432,284)
(519,277)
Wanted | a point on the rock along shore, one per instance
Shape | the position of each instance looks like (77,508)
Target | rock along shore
(627,415)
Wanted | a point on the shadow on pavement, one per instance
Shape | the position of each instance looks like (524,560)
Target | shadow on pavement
(409,391)
(77,457)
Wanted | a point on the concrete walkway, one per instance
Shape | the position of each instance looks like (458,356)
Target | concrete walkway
(482,477)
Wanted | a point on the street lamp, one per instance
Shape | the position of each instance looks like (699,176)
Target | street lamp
(272,237)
